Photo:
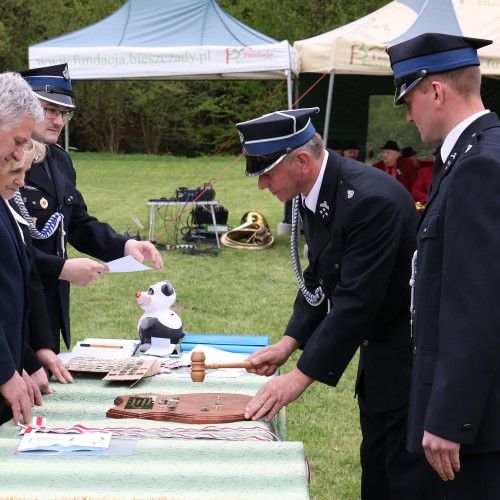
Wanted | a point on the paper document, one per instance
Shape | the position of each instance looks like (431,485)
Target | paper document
(36,441)
(126,265)
(105,348)
(160,347)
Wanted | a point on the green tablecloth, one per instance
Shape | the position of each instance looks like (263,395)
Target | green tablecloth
(167,468)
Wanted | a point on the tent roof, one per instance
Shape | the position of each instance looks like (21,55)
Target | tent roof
(163,23)
(167,39)
(359,47)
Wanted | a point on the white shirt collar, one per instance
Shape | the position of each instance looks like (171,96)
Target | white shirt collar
(311,200)
(453,136)
(18,219)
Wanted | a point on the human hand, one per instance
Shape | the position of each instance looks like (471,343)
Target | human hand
(143,250)
(277,393)
(15,393)
(52,362)
(82,271)
(443,455)
(41,380)
(268,359)
(34,392)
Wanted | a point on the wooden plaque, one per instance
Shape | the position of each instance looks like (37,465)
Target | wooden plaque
(198,408)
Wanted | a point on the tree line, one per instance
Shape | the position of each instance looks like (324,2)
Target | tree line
(181,118)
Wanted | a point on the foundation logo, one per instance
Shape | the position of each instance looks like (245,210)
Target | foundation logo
(247,55)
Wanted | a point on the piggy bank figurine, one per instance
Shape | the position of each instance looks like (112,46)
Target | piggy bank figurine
(158,319)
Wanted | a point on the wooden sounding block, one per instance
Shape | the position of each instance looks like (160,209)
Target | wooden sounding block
(198,366)
(200,408)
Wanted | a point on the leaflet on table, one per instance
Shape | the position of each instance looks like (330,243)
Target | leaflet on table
(160,348)
(97,442)
(105,348)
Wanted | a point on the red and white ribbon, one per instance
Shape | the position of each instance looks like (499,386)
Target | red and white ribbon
(206,432)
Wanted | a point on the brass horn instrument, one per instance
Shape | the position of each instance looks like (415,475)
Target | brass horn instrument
(253,233)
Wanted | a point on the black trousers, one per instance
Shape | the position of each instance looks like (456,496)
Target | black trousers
(478,478)
(389,471)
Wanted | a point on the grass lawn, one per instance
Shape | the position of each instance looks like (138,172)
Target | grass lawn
(230,291)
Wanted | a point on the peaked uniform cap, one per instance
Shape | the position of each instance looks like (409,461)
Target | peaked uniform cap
(430,53)
(268,139)
(51,83)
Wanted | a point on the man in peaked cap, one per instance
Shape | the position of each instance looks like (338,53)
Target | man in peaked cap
(359,225)
(454,413)
(56,210)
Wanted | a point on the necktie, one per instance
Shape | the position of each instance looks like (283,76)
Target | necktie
(309,222)
(438,167)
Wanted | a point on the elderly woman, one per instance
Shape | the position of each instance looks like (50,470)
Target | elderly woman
(39,356)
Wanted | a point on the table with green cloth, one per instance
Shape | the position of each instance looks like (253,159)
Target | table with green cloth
(239,460)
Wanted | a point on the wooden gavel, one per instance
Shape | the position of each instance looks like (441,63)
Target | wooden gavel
(198,366)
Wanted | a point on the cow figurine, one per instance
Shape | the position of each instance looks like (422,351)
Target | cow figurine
(158,319)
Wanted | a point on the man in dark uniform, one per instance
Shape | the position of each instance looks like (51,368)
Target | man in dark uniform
(454,415)
(359,225)
(58,210)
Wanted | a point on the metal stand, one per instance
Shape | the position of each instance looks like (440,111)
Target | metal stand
(155,205)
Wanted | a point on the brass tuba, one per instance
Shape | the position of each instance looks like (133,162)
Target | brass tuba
(253,233)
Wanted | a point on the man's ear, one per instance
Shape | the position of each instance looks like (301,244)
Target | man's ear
(304,159)
(438,93)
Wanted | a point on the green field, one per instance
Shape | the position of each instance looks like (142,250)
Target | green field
(231,291)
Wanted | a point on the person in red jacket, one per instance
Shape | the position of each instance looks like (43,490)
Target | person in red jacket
(421,186)
(392,163)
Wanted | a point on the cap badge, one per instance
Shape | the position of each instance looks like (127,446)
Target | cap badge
(350,193)
(65,73)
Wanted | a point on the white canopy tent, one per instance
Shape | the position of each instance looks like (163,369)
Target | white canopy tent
(358,48)
(169,39)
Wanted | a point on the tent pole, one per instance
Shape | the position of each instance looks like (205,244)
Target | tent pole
(289,88)
(66,137)
(328,106)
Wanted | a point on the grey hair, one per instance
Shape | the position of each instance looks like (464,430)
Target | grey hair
(16,101)
(314,146)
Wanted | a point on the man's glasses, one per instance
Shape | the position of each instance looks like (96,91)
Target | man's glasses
(53,113)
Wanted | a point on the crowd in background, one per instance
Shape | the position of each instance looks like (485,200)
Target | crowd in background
(401,163)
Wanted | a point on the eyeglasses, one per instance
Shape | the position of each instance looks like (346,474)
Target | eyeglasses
(53,113)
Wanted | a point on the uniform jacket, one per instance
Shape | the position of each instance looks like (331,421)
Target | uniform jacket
(360,252)
(456,379)
(14,305)
(43,196)
(39,335)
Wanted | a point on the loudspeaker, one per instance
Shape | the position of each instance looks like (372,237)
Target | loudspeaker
(203,215)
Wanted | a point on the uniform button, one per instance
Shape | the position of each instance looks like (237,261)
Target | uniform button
(425,230)
(414,351)
(467,427)
(321,282)
(366,343)
(336,266)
